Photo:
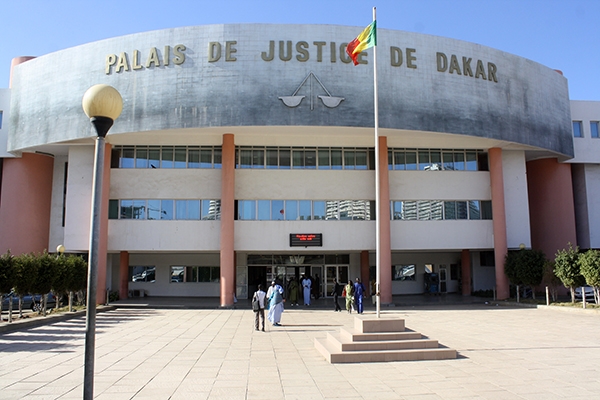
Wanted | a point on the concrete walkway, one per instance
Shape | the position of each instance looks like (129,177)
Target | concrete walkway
(161,353)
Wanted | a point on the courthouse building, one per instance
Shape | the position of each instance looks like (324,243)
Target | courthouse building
(246,152)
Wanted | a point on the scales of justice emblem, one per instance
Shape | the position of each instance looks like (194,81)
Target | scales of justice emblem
(295,99)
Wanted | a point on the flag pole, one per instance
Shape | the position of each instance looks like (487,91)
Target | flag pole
(377,194)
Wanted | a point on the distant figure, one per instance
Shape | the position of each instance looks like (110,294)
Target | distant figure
(306,286)
(293,291)
(275,299)
(349,293)
(260,295)
(317,286)
(359,291)
(337,288)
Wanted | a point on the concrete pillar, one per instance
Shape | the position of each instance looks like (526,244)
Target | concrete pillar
(499,221)
(465,262)
(227,220)
(124,275)
(385,242)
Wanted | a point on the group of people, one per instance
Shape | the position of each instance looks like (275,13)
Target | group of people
(305,289)
(273,299)
(354,294)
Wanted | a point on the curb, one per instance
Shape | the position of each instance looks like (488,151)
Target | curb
(27,323)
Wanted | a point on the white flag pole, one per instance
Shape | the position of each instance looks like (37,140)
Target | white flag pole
(377,194)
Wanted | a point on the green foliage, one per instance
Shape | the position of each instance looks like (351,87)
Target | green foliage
(46,273)
(525,267)
(566,267)
(589,264)
(26,270)
(6,273)
(77,277)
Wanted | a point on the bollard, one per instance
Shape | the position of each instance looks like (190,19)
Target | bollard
(547,297)
(583,297)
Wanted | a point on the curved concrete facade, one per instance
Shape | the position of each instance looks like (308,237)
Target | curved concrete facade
(240,75)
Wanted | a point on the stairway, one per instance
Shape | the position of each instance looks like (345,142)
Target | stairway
(379,340)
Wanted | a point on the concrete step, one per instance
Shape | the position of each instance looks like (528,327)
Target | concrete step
(357,336)
(372,324)
(339,343)
(332,355)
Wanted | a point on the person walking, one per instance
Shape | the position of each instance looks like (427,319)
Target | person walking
(337,288)
(293,291)
(259,296)
(306,285)
(275,298)
(359,291)
(349,293)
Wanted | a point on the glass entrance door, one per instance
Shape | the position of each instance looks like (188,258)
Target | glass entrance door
(339,272)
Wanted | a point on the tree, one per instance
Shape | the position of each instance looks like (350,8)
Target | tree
(550,279)
(61,279)
(566,268)
(77,273)
(525,267)
(589,265)
(6,279)
(44,278)
(25,272)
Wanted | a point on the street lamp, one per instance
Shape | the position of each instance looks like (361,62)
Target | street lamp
(102,104)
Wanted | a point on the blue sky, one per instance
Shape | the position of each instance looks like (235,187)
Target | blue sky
(561,34)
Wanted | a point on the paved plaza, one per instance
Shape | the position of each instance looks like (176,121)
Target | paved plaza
(144,353)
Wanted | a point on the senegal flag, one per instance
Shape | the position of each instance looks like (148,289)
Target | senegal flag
(368,38)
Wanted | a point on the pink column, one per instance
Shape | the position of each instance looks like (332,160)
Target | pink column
(385,242)
(465,261)
(123,275)
(227,220)
(25,203)
(499,220)
(103,240)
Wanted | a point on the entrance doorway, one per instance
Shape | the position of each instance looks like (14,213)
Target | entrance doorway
(443,279)
(339,272)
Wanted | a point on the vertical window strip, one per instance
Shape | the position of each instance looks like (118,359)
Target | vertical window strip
(594,129)
(577,129)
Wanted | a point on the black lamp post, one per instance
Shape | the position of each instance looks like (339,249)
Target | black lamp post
(102,104)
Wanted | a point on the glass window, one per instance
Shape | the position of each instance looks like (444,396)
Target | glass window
(471,161)
(423,160)
(345,209)
(577,131)
(399,160)
(191,274)
(331,210)
(284,158)
(180,157)
(437,210)
(474,211)
(310,158)
(424,210)
(127,157)
(154,209)
(486,209)
(411,160)
(177,274)
(436,160)
(449,210)
(461,210)
(361,210)
(404,272)
(448,158)
(410,210)
(181,209)
(349,159)
(113,209)
(166,209)
(291,210)
(277,210)
(459,161)
(206,155)
(141,157)
(247,210)
(264,210)
(211,209)
(594,129)
(194,157)
(361,159)
(319,210)
(324,159)
(298,159)
(154,157)
(139,273)
(397,210)
(336,158)
(245,158)
(272,158)
(217,153)
(258,158)
(0,119)
(167,157)
(305,210)
(193,209)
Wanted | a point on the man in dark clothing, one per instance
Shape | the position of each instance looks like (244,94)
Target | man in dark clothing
(337,290)
(359,290)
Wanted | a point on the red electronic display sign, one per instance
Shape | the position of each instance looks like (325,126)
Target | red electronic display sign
(306,239)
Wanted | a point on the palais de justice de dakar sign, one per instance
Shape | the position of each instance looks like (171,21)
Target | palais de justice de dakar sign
(287,50)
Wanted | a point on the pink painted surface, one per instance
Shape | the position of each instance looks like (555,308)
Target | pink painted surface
(551,206)
(499,219)
(227,218)
(25,203)
(385,242)
(465,262)
(123,275)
